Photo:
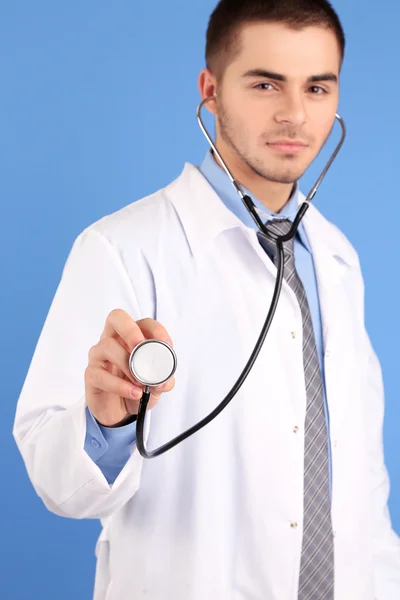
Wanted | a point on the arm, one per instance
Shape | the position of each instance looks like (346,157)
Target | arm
(50,424)
(386,542)
(109,447)
(386,557)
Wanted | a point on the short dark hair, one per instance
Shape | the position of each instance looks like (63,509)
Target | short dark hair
(222,39)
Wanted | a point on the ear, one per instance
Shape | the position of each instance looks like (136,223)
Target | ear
(208,87)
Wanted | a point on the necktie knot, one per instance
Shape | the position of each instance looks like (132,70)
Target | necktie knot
(278,227)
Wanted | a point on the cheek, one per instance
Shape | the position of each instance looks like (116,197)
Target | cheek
(248,110)
(323,117)
(253,120)
(237,120)
(325,127)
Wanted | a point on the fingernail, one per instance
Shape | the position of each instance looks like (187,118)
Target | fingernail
(136,393)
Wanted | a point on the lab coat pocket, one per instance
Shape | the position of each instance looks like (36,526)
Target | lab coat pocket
(102,586)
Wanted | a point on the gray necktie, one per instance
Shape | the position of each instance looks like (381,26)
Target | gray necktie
(317,556)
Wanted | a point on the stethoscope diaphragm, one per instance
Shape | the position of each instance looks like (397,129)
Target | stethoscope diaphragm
(152,362)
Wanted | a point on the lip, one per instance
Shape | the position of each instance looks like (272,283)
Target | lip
(287,146)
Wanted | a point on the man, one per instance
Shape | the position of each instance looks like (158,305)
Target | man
(284,495)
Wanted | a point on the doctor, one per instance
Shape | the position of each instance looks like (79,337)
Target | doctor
(258,505)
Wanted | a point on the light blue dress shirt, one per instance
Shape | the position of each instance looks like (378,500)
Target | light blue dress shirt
(110,447)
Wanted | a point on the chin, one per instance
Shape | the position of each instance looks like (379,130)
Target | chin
(287,175)
(282,177)
(285,179)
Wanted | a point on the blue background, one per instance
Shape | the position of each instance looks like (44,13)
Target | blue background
(97,109)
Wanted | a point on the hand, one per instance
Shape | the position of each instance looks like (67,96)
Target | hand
(112,393)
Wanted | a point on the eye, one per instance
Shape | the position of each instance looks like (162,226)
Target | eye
(320,90)
(260,86)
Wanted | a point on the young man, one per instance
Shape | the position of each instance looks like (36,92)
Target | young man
(284,495)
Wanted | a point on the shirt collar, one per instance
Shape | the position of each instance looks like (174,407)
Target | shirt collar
(204,217)
(218,179)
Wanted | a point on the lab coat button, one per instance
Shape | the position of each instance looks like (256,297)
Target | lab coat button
(295,428)
(95,443)
(327,354)
(293,334)
(293,524)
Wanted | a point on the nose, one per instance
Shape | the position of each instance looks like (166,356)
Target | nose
(291,109)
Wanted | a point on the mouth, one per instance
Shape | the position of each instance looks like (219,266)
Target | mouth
(287,147)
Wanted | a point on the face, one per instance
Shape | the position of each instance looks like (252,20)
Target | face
(277,99)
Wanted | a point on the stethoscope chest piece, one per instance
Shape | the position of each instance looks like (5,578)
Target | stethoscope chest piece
(152,362)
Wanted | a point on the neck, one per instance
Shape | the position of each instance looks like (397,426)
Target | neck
(271,194)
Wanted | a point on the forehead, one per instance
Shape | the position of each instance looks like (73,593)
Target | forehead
(278,47)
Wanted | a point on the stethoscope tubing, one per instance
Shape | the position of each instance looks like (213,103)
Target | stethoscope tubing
(279,240)
(179,438)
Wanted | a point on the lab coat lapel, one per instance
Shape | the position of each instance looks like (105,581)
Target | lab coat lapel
(204,216)
(329,272)
(332,264)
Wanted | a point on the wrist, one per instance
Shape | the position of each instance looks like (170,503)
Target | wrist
(126,421)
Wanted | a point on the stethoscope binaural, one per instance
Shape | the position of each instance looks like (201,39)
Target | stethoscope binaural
(153,362)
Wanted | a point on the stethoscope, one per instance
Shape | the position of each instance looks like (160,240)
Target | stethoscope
(152,362)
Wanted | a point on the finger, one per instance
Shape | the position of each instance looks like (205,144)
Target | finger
(164,388)
(103,381)
(111,350)
(168,385)
(119,323)
(153,330)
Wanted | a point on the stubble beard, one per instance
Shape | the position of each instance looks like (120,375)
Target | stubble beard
(228,133)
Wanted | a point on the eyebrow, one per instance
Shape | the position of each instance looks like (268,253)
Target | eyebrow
(278,77)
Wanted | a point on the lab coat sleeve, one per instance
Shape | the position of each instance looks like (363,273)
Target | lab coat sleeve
(386,565)
(50,421)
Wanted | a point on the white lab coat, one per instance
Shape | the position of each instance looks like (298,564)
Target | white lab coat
(215,518)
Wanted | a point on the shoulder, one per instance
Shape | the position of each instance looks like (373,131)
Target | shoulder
(138,226)
(137,219)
